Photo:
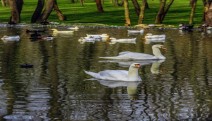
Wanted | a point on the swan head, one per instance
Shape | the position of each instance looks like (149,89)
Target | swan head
(156,51)
(133,72)
(135,65)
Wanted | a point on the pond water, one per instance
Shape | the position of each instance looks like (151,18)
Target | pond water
(56,88)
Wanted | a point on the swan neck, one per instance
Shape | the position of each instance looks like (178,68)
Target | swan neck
(133,74)
(157,53)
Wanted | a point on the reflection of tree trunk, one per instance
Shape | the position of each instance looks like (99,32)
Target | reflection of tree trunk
(16,7)
(127,14)
(99,6)
(193,7)
(137,7)
(37,11)
(141,15)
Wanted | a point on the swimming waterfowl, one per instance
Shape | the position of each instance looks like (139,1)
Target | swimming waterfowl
(140,56)
(74,28)
(186,27)
(11,38)
(155,37)
(82,40)
(55,31)
(118,75)
(125,40)
(135,31)
(34,30)
(103,37)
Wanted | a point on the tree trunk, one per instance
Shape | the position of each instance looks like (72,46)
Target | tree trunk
(158,19)
(142,12)
(15,12)
(208,13)
(4,2)
(47,11)
(58,12)
(167,9)
(163,11)
(193,7)
(127,15)
(204,4)
(38,10)
(99,6)
(137,7)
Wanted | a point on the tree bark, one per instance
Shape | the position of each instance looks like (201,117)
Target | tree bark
(208,13)
(16,7)
(37,12)
(158,19)
(58,12)
(127,15)
(163,11)
(47,11)
(4,2)
(193,8)
(136,6)
(99,6)
(142,12)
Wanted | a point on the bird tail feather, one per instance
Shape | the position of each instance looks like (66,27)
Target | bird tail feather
(95,75)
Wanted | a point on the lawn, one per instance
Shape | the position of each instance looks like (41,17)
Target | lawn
(113,15)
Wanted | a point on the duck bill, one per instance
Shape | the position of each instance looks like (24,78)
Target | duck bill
(164,49)
(137,65)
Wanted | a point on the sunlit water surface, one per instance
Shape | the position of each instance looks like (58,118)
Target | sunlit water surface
(56,88)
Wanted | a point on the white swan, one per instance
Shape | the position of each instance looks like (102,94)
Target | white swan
(11,38)
(135,31)
(118,75)
(55,32)
(140,56)
(127,40)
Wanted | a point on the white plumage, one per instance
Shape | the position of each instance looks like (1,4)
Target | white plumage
(140,56)
(11,38)
(118,75)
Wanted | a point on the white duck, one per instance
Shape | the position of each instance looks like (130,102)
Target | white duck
(11,38)
(127,40)
(55,32)
(140,56)
(152,37)
(135,31)
(103,37)
(74,28)
(82,40)
(118,75)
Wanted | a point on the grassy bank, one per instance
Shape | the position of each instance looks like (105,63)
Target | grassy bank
(113,15)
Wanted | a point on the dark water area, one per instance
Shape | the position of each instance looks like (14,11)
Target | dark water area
(56,87)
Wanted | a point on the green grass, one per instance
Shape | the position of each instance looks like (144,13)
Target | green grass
(113,15)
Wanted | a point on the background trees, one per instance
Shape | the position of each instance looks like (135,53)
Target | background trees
(115,12)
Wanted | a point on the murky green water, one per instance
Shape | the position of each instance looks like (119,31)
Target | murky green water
(56,88)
